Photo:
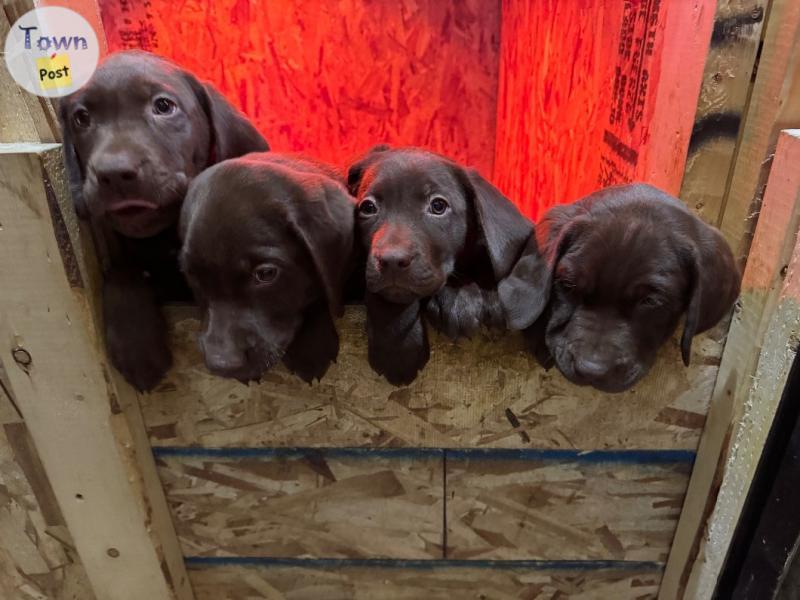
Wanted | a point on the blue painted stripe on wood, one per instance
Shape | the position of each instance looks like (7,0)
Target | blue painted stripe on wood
(389,563)
(638,456)
(635,456)
(200,452)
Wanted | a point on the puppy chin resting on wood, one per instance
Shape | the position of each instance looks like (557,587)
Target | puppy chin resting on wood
(440,240)
(135,136)
(627,263)
(267,249)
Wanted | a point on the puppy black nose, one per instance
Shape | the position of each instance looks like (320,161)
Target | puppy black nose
(225,362)
(116,170)
(589,368)
(228,366)
(395,258)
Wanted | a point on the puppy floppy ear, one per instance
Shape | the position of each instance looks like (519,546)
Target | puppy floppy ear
(356,171)
(523,281)
(72,162)
(324,224)
(231,132)
(552,238)
(714,283)
(524,294)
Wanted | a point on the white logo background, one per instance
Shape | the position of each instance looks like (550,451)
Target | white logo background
(51,31)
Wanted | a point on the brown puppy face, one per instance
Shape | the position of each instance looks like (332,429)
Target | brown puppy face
(267,245)
(138,133)
(414,219)
(627,263)
(424,220)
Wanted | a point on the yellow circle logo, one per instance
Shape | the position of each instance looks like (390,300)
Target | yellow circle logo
(51,51)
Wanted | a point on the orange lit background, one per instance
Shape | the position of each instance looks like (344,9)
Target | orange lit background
(549,98)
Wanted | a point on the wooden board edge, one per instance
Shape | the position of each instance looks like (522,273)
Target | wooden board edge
(83,421)
(759,329)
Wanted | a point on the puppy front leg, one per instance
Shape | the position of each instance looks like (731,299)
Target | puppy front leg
(534,337)
(461,311)
(397,340)
(315,345)
(135,328)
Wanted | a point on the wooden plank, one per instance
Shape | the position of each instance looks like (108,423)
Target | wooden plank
(763,292)
(586,509)
(726,85)
(33,563)
(778,351)
(9,413)
(486,392)
(774,104)
(18,122)
(428,582)
(306,504)
(82,419)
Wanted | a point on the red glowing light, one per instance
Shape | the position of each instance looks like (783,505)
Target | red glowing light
(536,94)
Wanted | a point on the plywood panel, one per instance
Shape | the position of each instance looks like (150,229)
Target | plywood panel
(307,504)
(533,508)
(37,559)
(486,392)
(367,503)
(334,78)
(85,424)
(594,93)
(428,582)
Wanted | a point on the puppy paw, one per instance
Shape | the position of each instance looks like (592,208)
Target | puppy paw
(397,341)
(140,354)
(314,347)
(399,364)
(460,312)
(135,330)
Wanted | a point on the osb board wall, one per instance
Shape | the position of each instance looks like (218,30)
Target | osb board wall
(294,505)
(351,504)
(37,561)
(486,392)
(486,460)
(590,93)
(595,93)
(403,582)
(335,78)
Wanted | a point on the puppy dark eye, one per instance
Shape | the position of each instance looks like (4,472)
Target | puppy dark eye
(265,273)
(438,206)
(164,106)
(368,207)
(651,301)
(82,118)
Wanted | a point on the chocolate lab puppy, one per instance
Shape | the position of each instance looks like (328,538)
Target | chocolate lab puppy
(268,246)
(440,240)
(134,138)
(627,262)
